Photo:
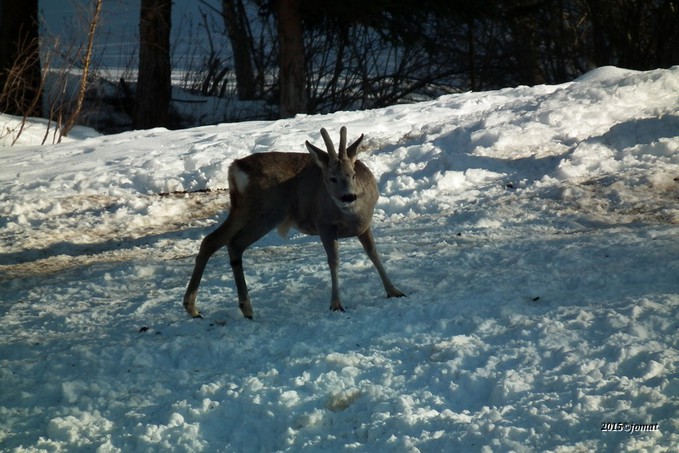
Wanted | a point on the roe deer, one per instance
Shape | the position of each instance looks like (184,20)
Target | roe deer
(327,194)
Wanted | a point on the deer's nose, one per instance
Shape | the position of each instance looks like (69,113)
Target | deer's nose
(349,198)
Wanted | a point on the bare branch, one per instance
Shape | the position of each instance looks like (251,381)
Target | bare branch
(70,122)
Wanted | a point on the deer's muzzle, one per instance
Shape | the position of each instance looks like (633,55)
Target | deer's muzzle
(348,198)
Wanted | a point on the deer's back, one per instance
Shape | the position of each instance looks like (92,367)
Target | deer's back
(265,170)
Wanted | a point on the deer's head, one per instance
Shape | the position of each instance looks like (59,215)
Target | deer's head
(339,174)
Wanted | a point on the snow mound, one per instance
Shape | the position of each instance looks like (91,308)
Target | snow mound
(534,230)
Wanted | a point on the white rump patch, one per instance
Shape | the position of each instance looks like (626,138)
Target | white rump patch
(240,178)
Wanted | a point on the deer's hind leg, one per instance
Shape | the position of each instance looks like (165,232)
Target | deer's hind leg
(210,244)
(241,240)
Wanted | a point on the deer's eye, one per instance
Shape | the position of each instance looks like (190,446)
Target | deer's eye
(333,180)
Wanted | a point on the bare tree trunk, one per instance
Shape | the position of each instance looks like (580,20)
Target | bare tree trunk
(20,77)
(526,52)
(292,76)
(235,19)
(471,54)
(154,86)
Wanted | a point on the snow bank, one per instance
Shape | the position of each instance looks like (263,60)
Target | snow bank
(533,228)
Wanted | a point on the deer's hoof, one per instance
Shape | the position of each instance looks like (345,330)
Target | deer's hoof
(246,309)
(193,311)
(394,292)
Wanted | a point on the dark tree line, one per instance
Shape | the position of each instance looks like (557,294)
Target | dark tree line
(20,75)
(307,56)
(360,54)
(22,83)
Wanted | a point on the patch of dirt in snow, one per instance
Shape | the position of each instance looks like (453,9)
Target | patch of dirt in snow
(615,200)
(62,243)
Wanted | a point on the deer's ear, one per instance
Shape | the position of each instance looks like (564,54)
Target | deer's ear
(352,150)
(320,157)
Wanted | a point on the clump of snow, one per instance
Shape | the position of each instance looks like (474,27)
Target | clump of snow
(534,230)
(16,131)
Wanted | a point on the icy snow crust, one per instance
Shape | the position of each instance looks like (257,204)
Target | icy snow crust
(534,230)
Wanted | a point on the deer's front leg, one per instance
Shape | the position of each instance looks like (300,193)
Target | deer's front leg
(368,243)
(329,240)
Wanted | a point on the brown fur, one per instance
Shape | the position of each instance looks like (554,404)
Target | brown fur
(331,195)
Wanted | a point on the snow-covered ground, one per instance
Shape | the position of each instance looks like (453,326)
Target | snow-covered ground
(534,229)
